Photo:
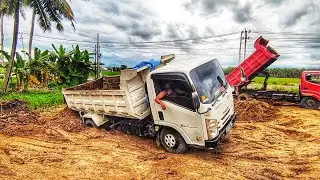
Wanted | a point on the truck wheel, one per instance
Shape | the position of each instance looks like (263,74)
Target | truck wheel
(172,141)
(243,97)
(310,103)
(90,123)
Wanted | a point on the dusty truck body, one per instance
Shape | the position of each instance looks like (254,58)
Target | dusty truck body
(198,118)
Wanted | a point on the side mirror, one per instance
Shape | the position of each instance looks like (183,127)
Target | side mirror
(221,81)
(195,101)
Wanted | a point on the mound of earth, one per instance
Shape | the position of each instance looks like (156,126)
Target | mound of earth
(255,111)
(66,120)
(15,113)
(17,120)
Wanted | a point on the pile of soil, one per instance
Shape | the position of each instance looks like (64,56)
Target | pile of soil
(66,120)
(17,120)
(255,111)
(15,113)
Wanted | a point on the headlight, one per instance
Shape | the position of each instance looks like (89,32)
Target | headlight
(212,127)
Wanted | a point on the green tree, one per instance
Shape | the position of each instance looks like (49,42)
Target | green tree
(13,7)
(3,10)
(123,67)
(74,66)
(21,72)
(47,12)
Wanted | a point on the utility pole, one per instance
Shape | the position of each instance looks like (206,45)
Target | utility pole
(98,56)
(95,62)
(245,43)
(240,46)
(246,37)
(22,42)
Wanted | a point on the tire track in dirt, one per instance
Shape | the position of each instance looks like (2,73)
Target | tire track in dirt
(283,146)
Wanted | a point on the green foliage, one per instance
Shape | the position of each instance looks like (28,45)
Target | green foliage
(2,70)
(278,81)
(119,68)
(51,11)
(20,70)
(42,65)
(277,72)
(227,70)
(111,73)
(36,100)
(73,67)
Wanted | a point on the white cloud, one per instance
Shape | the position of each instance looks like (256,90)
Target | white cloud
(127,22)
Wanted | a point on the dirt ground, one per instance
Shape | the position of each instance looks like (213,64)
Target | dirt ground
(267,142)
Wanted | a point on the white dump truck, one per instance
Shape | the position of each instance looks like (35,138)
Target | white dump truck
(197,118)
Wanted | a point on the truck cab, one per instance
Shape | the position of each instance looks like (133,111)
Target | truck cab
(198,117)
(310,89)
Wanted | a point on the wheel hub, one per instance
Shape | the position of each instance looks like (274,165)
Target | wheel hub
(170,140)
(310,103)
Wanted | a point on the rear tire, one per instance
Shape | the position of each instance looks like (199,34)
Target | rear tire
(172,141)
(310,103)
(90,123)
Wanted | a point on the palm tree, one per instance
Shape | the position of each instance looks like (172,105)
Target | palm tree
(14,7)
(3,8)
(47,12)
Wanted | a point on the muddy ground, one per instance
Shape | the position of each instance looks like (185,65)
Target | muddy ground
(267,142)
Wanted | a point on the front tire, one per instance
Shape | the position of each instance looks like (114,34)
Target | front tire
(310,103)
(172,141)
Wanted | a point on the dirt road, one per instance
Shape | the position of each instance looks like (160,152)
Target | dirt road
(285,146)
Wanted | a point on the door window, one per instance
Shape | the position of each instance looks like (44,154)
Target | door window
(181,93)
(313,78)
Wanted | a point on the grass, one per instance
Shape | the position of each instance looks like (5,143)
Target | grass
(278,81)
(111,73)
(277,84)
(36,99)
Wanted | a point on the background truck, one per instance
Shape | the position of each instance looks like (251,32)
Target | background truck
(198,118)
(256,63)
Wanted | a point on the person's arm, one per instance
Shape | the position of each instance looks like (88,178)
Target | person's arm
(158,99)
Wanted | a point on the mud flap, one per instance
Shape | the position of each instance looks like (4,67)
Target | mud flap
(158,142)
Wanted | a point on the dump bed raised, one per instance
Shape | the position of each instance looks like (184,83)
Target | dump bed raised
(256,63)
(122,96)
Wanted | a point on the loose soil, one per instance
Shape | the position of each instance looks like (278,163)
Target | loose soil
(267,142)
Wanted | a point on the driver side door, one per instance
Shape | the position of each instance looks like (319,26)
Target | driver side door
(179,112)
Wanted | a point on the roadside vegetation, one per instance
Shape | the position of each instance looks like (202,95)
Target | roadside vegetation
(36,99)
(111,73)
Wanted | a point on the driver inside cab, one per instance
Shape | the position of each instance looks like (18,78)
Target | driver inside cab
(169,91)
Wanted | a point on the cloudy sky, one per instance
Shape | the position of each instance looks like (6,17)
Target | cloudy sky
(131,30)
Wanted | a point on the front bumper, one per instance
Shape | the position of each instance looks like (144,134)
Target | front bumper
(213,142)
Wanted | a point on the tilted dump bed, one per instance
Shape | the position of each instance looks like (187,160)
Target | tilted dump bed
(122,96)
(257,62)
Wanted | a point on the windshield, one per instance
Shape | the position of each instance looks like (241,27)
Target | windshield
(206,80)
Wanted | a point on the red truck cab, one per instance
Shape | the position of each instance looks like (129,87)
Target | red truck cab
(310,89)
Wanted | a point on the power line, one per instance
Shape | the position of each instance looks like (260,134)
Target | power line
(141,42)
(286,33)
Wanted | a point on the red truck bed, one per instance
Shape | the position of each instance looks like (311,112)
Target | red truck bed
(256,63)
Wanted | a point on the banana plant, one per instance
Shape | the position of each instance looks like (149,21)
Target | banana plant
(21,71)
(40,66)
(73,66)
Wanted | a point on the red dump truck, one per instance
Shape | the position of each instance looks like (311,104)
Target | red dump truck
(257,63)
